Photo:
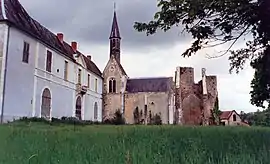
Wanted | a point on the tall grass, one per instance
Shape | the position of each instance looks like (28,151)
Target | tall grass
(104,144)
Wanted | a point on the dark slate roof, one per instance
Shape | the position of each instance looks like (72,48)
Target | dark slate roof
(14,13)
(115,32)
(91,66)
(156,84)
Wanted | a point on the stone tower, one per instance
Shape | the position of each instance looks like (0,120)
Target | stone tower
(114,75)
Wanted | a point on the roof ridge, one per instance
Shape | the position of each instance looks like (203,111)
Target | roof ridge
(157,77)
(19,17)
(3,9)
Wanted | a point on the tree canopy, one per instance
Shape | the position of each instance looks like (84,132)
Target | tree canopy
(217,22)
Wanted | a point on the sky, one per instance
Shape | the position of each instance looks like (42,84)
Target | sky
(88,22)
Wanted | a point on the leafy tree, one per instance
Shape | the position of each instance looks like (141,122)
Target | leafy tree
(216,112)
(218,22)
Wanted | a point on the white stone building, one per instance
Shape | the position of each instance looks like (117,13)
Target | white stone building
(42,75)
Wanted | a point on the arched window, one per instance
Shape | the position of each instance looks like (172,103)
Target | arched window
(112,85)
(46,104)
(78,112)
(234,117)
(95,111)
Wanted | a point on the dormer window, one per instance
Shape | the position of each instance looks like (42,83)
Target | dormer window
(112,85)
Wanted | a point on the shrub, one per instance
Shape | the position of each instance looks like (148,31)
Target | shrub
(117,119)
(156,120)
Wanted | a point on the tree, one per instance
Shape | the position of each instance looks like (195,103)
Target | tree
(216,113)
(223,22)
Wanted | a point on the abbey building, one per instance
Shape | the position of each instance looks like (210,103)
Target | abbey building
(41,75)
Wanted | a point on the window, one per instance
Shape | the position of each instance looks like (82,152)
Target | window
(78,112)
(25,58)
(88,81)
(95,85)
(49,61)
(46,104)
(66,70)
(79,76)
(234,117)
(112,86)
(95,111)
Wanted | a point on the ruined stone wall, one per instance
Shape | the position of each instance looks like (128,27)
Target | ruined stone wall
(157,103)
(211,82)
(191,103)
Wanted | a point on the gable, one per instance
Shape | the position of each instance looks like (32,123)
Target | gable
(114,66)
(81,61)
(226,115)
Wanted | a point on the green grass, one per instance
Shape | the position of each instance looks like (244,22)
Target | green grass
(102,144)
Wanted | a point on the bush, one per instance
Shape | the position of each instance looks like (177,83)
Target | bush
(57,121)
(117,119)
(156,120)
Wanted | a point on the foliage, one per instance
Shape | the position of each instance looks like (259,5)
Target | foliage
(40,143)
(137,116)
(213,23)
(156,120)
(216,113)
(259,118)
(56,121)
(117,119)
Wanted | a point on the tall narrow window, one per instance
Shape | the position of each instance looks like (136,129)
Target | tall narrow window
(66,70)
(25,58)
(79,76)
(49,61)
(96,85)
(112,85)
(95,111)
(88,80)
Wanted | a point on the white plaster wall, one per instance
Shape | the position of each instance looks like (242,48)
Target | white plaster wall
(26,82)
(4,31)
(19,77)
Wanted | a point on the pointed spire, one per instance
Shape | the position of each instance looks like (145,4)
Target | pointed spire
(115,33)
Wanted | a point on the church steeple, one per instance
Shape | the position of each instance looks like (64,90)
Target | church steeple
(115,38)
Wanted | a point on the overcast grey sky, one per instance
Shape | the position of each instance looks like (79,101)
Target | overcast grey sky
(89,22)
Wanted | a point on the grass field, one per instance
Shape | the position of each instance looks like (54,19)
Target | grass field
(103,144)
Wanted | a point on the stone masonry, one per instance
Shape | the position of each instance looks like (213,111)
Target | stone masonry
(177,100)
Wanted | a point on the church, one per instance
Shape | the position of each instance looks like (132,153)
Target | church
(177,100)
(41,75)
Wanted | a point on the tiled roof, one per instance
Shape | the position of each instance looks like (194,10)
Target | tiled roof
(225,114)
(14,13)
(159,84)
(91,66)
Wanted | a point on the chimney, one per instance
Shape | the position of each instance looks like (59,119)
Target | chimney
(60,37)
(74,46)
(89,57)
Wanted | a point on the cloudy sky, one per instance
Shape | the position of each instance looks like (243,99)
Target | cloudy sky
(89,22)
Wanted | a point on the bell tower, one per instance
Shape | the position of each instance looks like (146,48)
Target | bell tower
(115,38)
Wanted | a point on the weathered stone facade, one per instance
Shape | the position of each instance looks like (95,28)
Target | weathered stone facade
(194,101)
(179,100)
